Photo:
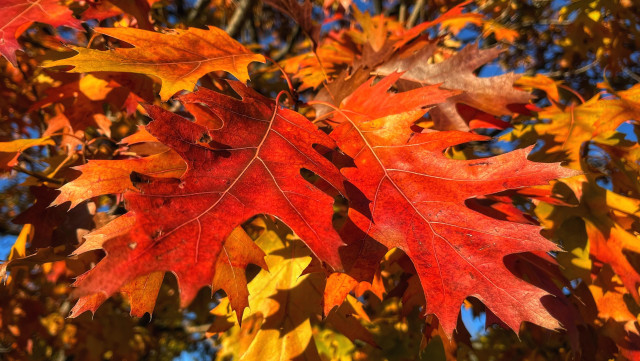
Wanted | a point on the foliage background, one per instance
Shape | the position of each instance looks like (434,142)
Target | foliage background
(577,43)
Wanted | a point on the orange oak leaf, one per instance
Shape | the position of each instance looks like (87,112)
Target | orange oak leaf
(113,176)
(140,136)
(539,81)
(142,293)
(336,290)
(417,203)
(179,57)
(501,32)
(238,251)
(573,125)
(83,100)
(250,165)
(17,15)
(611,296)
(117,227)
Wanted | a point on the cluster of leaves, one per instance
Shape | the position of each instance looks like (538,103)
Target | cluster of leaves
(342,201)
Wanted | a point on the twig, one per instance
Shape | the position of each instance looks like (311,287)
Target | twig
(633,75)
(574,72)
(414,14)
(239,17)
(37,175)
(402,12)
(197,9)
(377,6)
(287,48)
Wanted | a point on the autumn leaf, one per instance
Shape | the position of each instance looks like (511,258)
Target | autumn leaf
(238,251)
(336,290)
(139,9)
(601,212)
(609,295)
(573,125)
(81,103)
(54,226)
(9,151)
(500,32)
(301,14)
(18,250)
(418,205)
(491,95)
(250,165)
(178,58)
(17,15)
(142,293)
(282,301)
(548,85)
(113,176)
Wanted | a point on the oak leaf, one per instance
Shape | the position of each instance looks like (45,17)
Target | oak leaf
(569,127)
(238,251)
(139,9)
(491,95)
(17,15)
(81,103)
(612,298)
(55,226)
(250,165)
(179,58)
(418,205)
(281,303)
(113,176)
(603,214)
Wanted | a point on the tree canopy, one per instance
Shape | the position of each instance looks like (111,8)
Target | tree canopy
(337,180)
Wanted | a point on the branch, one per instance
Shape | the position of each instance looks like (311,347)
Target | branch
(239,17)
(287,48)
(633,75)
(377,7)
(402,13)
(571,72)
(37,175)
(414,14)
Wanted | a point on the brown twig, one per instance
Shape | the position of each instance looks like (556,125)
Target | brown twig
(239,17)
(414,14)
(37,175)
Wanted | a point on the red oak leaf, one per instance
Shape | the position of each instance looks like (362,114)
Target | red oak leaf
(17,15)
(250,165)
(238,251)
(417,203)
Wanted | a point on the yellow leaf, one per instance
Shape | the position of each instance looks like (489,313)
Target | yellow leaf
(9,151)
(541,82)
(281,302)
(19,145)
(94,88)
(19,248)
